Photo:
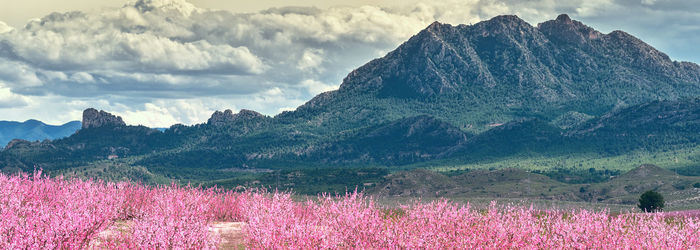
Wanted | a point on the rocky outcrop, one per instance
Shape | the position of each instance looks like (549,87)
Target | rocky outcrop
(227,117)
(566,31)
(95,119)
(15,142)
(220,118)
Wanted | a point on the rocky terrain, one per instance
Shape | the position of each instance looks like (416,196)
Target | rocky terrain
(227,117)
(95,119)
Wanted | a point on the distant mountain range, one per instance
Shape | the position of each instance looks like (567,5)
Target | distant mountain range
(450,95)
(33,130)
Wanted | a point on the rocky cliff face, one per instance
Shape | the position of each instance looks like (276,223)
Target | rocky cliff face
(227,117)
(95,119)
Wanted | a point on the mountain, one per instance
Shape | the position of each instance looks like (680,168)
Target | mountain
(501,70)
(33,130)
(450,95)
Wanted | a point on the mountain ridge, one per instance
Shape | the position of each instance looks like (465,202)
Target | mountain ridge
(466,93)
(33,130)
(507,66)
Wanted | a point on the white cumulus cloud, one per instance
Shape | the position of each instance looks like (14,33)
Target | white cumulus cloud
(12,100)
(5,28)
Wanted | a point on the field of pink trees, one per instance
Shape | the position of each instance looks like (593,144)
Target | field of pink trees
(45,213)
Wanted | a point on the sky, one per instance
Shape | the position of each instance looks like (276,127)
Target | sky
(162,62)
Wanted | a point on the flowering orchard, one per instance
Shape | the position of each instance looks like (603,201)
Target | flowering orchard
(39,213)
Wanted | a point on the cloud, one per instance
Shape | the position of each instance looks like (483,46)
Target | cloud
(172,49)
(123,42)
(178,6)
(166,113)
(593,7)
(18,74)
(157,62)
(314,86)
(311,59)
(12,100)
(5,28)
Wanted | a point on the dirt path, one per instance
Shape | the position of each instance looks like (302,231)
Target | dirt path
(110,233)
(230,233)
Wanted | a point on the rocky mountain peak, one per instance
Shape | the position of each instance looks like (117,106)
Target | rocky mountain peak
(95,119)
(505,25)
(438,28)
(508,20)
(222,118)
(248,114)
(434,26)
(567,31)
(564,18)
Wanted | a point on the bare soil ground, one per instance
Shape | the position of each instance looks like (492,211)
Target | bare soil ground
(231,234)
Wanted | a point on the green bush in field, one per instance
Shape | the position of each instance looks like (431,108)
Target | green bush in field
(651,202)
